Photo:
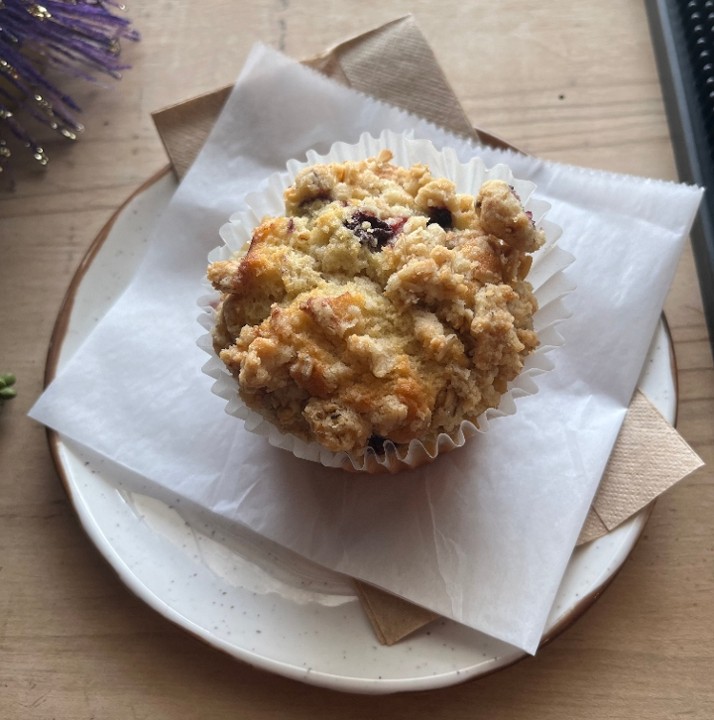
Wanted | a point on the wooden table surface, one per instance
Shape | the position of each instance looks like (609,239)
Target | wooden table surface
(573,82)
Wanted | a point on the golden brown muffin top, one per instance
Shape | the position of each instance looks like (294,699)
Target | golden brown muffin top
(382,306)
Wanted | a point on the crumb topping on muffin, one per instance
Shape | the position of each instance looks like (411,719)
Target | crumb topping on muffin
(383,306)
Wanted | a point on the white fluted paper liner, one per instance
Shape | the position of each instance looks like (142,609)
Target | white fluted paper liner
(549,283)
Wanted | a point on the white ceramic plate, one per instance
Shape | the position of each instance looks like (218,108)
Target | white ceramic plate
(248,597)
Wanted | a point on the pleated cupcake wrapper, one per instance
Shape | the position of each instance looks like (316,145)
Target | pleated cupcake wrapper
(549,282)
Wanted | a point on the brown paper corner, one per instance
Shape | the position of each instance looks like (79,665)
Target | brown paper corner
(392,618)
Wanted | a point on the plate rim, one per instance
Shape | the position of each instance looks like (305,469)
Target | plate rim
(55,444)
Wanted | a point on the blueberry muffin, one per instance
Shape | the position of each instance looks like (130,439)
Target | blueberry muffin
(382,307)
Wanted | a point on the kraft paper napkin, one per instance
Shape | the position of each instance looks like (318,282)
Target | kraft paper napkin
(392,617)
(488,551)
(648,458)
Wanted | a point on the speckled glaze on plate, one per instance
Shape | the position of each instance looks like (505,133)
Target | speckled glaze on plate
(246,596)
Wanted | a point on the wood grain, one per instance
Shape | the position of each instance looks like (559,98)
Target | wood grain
(574,82)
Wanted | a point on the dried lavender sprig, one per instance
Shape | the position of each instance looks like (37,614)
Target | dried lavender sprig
(8,119)
(88,42)
(77,37)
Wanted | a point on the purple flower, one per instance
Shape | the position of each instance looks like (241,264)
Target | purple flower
(79,37)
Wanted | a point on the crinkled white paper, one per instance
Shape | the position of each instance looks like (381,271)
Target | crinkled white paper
(483,534)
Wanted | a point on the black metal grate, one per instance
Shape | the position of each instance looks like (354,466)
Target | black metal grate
(683,38)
